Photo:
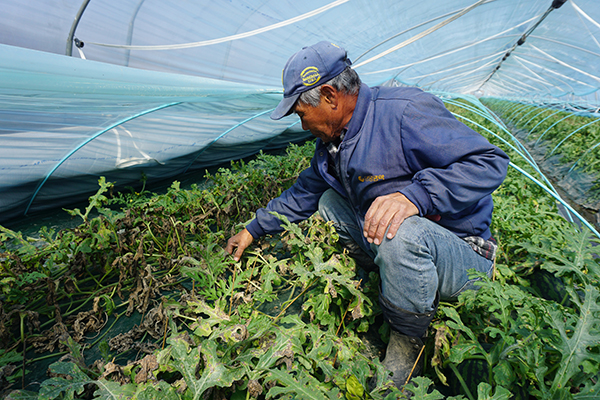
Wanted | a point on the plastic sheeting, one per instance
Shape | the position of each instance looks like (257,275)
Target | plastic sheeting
(169,86)
(60,131)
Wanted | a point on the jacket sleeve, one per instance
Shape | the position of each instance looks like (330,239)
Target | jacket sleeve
(454,166)
(297,203)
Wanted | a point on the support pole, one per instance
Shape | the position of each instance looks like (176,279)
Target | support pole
(69,50)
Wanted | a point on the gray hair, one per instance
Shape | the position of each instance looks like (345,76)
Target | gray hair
(347,82)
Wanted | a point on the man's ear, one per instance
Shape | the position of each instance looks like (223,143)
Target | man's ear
(329,95)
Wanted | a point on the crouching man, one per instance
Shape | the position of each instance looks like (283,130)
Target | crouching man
(406,185)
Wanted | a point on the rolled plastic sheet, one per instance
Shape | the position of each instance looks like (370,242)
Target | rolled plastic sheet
(66,121)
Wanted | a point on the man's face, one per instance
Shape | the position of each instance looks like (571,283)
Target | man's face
(319,120)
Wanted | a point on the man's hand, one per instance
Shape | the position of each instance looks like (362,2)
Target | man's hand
(240,241)
(387,211)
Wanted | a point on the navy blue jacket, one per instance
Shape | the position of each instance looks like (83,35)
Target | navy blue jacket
(401,140)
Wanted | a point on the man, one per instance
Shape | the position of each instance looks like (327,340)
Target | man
(406,185)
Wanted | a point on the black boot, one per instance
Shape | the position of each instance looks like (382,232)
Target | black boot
(403,357)
(406,322)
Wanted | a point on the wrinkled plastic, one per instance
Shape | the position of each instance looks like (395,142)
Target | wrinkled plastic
(197,87)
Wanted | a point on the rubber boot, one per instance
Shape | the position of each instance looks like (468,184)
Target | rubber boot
(409,323)
(404,349)
(403,357)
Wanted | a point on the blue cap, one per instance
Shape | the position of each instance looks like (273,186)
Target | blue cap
(310,67)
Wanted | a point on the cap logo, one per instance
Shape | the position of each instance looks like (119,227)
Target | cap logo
(310,76)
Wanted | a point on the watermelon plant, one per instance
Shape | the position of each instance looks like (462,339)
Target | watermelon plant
(296,317)
(569,140)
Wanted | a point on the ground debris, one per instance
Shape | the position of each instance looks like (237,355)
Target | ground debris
(51,338)
(115,372)
(88,321)
(124,341)
(129,341)
(155,321)
(147,365)
(146,288)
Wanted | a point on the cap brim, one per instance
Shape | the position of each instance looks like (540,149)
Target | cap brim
(284,108)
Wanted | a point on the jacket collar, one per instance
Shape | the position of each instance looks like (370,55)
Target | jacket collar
(358,115)
(360,111)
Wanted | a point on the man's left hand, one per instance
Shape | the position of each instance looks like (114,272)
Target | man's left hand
(387,213)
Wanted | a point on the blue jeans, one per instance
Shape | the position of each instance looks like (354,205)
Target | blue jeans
(423,261)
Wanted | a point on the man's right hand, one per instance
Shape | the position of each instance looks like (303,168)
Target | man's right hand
(239,242)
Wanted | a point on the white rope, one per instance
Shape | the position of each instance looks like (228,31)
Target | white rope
(493,89)
(566,45)
(495,36)
(458,82)
(580,11)
(547,70)
(228,38)
(534,75)
(584,15)
(564,64)
(462,85)
(513,84)
(459,65)
(462,79)
(422,34)
(514,75)
(405,31)
(431,58)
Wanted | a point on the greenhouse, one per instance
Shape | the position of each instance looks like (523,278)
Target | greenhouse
(136,138)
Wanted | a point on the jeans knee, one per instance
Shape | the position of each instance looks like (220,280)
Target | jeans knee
(412,229)
(326,204)
(471,283)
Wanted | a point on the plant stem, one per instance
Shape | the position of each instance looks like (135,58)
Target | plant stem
(117,316)
(462,381)
(22,316)
(296,298)
(34,360)
(232,289)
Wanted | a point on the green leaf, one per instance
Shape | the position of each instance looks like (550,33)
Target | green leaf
(504,374)
(156,390)
(214,373)
(463,351)
(590,390)
(9,357)
(354,390)
(108,390)
(419,387)
(22,395)
(305,387)
(287,225)
(576,259)
(457,322)
(484,392)
(53,387)
(84,246)
(278,347)
(576,340)
(215,316)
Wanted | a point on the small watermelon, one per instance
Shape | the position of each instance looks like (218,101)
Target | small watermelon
(473,372)
(549,286)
